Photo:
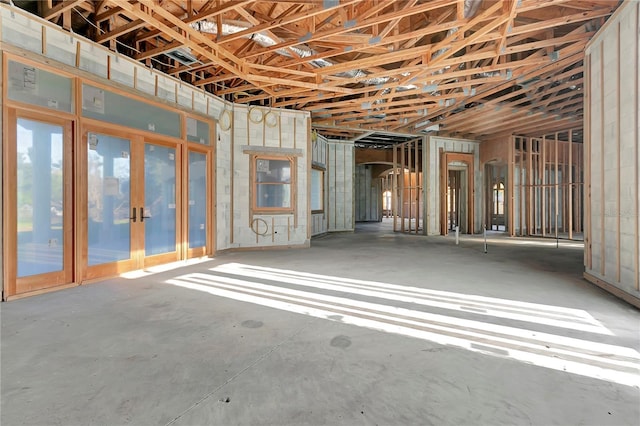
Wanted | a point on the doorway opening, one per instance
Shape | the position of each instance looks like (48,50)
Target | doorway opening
(495,194)
(456,193)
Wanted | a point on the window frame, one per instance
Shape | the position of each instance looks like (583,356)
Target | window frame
(254,184)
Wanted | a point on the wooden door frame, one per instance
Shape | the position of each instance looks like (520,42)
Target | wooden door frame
(445,159)
(34,284)
(208,249)
(87,272)
(178,254)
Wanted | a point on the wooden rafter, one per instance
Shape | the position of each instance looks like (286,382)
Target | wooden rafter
(369,64)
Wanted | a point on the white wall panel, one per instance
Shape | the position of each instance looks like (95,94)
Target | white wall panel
(286,134)
(340,170)
(613,155)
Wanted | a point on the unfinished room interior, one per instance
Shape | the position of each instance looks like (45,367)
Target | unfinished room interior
(320,212)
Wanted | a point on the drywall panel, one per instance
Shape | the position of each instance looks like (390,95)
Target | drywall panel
(223,172)
(319,160)
(340,171)
(612,155)
(434,146)
(243,131)
(368,195)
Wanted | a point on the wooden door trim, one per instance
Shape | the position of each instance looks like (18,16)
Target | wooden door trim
(208,249)
(12,284)
(445,159)
(178,253)
(91,272)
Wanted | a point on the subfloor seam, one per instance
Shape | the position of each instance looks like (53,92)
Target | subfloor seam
(232,378)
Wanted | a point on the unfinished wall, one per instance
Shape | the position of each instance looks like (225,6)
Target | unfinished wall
(340,180)
(547,186)
(434,146)
(368,194)
(407,187)
(612,155)
(319,161)
(256,130)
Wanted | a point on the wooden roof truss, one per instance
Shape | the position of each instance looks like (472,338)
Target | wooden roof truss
(362,66)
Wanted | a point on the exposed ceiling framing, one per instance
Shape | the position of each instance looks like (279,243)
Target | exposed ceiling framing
(371,70)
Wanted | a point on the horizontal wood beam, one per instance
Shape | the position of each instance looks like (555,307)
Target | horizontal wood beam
(61,8)
(121,30)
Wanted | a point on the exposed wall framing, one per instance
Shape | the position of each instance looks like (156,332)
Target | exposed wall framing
(407,192)
(547,186)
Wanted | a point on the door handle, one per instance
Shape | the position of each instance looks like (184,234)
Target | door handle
(133,218)
(142,216)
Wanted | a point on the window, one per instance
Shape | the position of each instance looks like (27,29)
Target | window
(498,198)
(386,200)
(272,183)
(317,190)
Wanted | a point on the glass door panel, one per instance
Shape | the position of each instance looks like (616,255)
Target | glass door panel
(108,199)
(159,213)
(197,200)
(40,198)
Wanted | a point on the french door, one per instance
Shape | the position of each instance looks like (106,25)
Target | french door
(132,205)
(38,200)
(110,202)
(197,164)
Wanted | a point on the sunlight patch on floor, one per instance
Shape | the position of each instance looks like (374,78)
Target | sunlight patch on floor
(584,357)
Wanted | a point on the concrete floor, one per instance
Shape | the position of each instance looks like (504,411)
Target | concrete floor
(365,328)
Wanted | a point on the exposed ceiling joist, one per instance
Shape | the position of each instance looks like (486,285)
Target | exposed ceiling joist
(366,66)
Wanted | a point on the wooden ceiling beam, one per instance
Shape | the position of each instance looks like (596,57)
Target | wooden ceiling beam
(358,25)
(359,130)
(510,7)
(480,114)
(456,46)
(497,121)
(60,8)
(150,53)
(419,92)
(543,125)
(528,5)
(558,41)
(209,13)
(255,22)
(359,47)
(564,20)
(294,83)
(390,111)
(265,26)
(186,36)
(520,56)
(121,30)
(569,55)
